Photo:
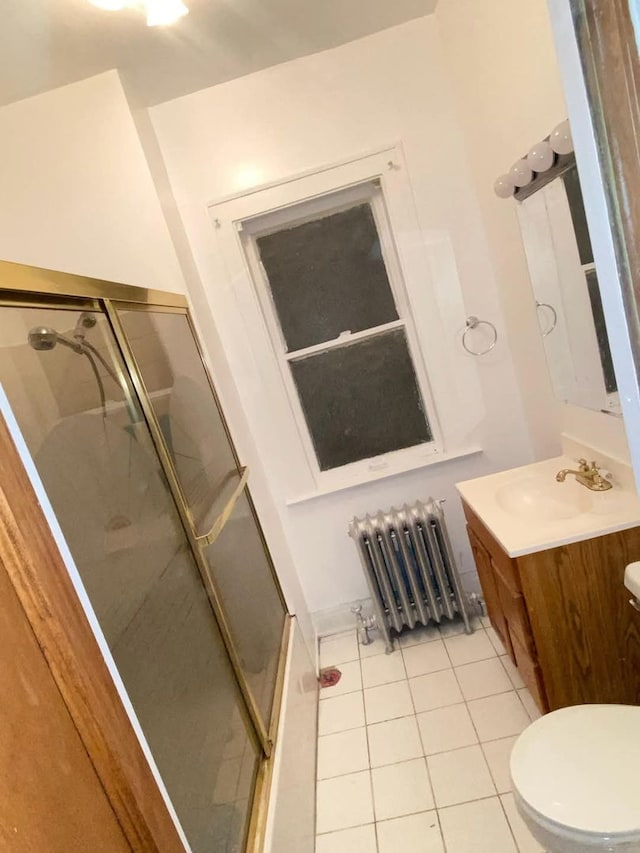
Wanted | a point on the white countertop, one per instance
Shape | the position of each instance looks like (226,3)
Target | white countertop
(527,510)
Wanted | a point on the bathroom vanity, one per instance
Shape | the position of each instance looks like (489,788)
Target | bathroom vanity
(551,559)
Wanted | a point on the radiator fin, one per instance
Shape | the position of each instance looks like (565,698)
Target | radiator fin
(408,561)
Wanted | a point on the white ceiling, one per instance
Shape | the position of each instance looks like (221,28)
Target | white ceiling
(49,43)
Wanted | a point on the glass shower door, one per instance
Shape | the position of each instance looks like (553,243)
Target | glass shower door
(212,483)
(62,372)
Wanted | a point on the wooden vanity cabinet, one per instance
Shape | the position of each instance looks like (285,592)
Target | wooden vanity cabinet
(564,616)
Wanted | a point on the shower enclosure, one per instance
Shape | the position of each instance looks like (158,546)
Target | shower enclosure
(112,396)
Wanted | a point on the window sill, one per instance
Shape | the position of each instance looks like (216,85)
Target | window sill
(403,467)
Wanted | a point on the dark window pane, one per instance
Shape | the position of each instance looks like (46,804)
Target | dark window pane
(328,276)
(601,333)
(361,400)
(579,217)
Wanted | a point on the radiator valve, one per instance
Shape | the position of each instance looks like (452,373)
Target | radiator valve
(477,603)
(365,624)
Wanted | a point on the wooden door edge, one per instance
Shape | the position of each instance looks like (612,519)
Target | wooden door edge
(40,578)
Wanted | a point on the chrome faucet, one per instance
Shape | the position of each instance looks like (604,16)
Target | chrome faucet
(588,475)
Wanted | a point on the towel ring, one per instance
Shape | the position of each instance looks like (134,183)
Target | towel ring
(554,317)
(473,323)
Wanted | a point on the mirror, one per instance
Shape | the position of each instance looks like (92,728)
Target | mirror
(565,284)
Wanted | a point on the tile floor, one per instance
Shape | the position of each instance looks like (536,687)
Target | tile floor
(413,747)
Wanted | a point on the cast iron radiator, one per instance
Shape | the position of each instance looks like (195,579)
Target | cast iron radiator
(410,568)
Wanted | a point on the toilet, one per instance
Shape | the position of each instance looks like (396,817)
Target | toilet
(576,779)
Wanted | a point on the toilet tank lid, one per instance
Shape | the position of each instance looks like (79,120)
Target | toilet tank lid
(580,767)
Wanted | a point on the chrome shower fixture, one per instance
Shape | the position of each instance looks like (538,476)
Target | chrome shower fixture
(85,321)
(44,339)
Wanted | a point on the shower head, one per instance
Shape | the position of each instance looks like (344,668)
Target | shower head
(42,338)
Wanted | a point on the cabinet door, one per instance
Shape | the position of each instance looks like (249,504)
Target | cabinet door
(587,636)
(490,590)
(514,610)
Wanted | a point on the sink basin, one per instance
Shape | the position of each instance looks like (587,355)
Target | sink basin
(632,579)
(526,510)
(539,498)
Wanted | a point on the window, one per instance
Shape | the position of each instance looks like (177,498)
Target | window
(331,294)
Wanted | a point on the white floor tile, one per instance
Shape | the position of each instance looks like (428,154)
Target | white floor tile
(338,648)
(435,690)
(344,802)
(341,713)
(498,754)
(529,703)
(478,827)
(376,647)
(485,621)
(361,839)
(525,841)
(495,640)
(382,669)
(401,789)
(388,702)
(468,648)
(341,753)
(425,658)
(453,627)
(498,716)
(418,833)
(446,728)
(512,671)
(460,776)
(350,681)
(418,636)
(393,741)
(483,678)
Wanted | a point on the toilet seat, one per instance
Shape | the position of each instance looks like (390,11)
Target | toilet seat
(561,839)
(577,772)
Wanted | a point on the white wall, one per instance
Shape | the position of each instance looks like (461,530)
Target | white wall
(80,194)
(310,113)
(508,93)
(77,194)
(226,386)
(502,61)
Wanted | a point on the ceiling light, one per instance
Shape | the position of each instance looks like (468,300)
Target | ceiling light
(163,12)
(521,173)
(504,186)
(109,5)
(541,157)
(560,139)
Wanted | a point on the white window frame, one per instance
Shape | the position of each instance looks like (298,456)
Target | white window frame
(369,192)
(432,295)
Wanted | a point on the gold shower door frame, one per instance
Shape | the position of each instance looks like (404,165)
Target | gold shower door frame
(25,286)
